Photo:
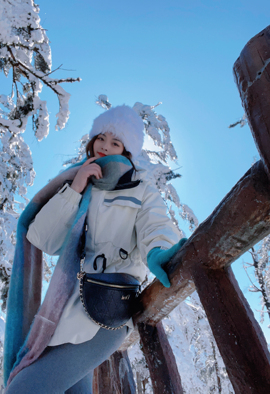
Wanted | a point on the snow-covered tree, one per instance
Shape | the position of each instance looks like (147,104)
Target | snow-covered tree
(261,272)
(25,63)
(157,128)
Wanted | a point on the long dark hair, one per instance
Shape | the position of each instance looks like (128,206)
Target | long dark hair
(90,151)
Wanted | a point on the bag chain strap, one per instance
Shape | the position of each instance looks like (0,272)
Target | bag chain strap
(80,276)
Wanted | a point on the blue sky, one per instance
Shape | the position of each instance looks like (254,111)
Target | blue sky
(177,52)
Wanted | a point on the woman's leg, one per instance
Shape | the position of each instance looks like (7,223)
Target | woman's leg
(60,368)
(83,386)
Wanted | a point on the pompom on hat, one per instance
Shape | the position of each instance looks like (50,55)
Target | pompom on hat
(125,124)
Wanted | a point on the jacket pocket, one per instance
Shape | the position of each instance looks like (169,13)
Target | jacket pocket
(116,221)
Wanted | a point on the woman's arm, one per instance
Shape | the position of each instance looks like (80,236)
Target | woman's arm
(155,231)
(153,227)
(50,227)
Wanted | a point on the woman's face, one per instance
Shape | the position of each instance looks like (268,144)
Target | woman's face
(107,144)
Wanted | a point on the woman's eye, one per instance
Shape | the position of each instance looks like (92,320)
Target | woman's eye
(115,144)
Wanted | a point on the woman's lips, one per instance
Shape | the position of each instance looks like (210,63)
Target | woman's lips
(101,154)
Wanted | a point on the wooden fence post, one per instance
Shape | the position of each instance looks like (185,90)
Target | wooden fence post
(102,383)
(237,223)
(160,359)
(238,335)
(95,381)
(121,373)
(114,376)
(251,71)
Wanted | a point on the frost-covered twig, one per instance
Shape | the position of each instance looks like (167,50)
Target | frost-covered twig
(103,101)
(261,266)
(242,122)
(261,280)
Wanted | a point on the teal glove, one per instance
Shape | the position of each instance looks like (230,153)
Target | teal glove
(157,257)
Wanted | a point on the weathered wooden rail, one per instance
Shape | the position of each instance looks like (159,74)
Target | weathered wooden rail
(239,221)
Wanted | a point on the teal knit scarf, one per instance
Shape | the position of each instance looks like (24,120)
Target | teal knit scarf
(29,325)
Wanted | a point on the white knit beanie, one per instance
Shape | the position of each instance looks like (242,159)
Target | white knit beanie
(125,124)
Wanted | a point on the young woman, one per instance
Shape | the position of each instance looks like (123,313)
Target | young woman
(127,228)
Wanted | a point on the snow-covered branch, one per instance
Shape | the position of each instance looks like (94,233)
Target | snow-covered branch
(25,60)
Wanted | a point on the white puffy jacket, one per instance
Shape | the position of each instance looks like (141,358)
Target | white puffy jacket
(124,225)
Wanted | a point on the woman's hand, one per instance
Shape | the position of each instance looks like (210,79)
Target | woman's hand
(87,169)
(157,257)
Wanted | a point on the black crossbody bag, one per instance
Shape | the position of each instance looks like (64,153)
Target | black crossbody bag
(109,299)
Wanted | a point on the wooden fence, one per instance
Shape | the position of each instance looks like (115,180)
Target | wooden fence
(240,220)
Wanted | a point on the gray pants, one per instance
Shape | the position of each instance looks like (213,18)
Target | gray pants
(67,368)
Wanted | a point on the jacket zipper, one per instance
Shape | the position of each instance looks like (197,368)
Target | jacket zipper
(112,285)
